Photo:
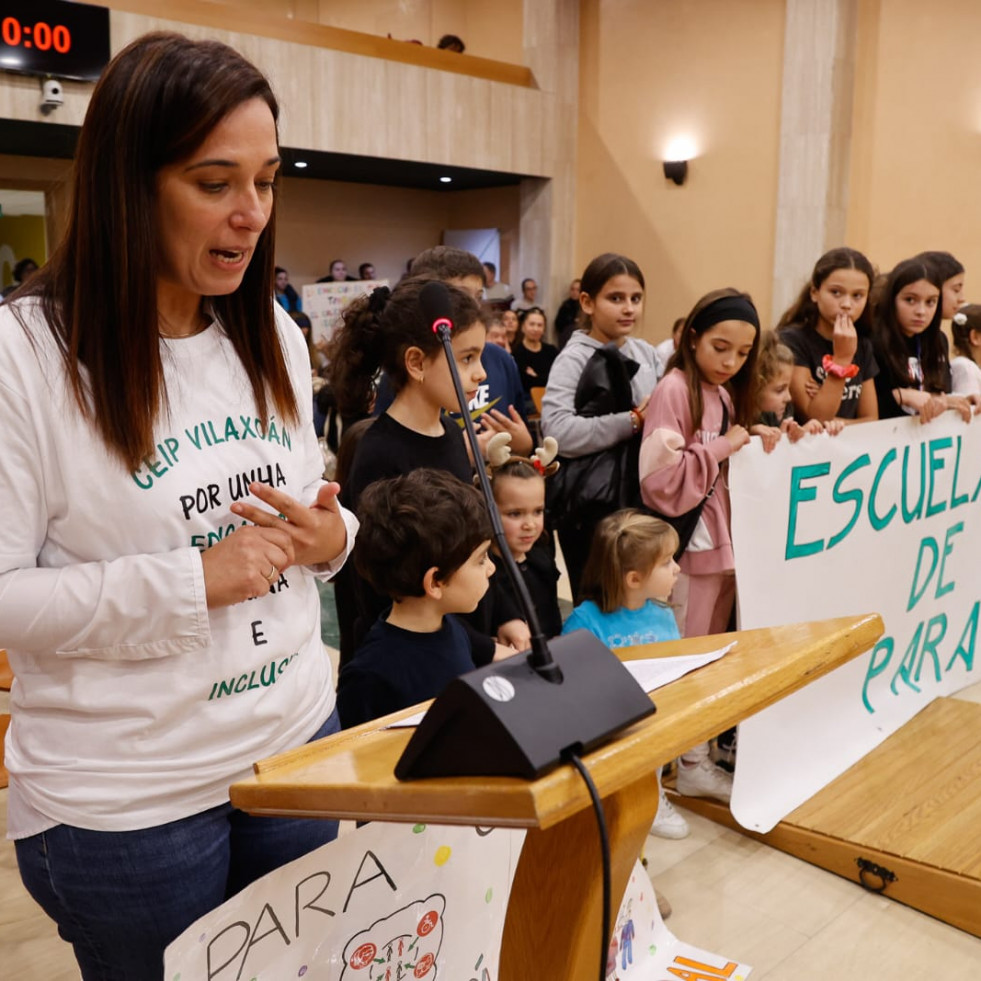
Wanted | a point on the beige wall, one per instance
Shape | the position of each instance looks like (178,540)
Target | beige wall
(322,220)
(652,70)
(916,163)
(489,29)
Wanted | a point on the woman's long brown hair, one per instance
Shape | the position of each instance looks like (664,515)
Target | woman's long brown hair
(155,105)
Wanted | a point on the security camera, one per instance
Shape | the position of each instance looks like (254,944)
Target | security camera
(52,95)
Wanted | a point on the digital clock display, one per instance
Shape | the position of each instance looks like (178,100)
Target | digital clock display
(52,37)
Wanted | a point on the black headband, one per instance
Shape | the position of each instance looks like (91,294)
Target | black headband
(725,308)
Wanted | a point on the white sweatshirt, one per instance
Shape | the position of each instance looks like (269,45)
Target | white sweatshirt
(134,704)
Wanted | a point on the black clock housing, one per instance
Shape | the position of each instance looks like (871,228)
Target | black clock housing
(52,37)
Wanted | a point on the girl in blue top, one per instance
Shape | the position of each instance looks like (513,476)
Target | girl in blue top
(627,581)
(626,584)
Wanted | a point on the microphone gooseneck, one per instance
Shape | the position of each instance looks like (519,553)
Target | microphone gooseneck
(434,299)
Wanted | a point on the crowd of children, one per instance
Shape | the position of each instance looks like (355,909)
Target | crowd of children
(632,476)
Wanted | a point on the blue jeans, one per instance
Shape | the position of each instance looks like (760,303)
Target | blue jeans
(120,897)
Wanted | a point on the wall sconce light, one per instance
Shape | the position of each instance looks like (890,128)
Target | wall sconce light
(677,153)
(676,170)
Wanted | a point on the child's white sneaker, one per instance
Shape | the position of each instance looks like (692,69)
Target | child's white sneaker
(669,823)
(704,779)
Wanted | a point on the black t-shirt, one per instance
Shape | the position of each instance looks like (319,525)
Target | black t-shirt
(540,363)
(395,668)
(500,603)
(389,449)
(887,380)
(809,349)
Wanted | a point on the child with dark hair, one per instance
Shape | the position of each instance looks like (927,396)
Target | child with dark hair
(951,273)
(424,542)
(447,263)
(775,365)
(914,368)
(518,485)
(389,330)
(598,389)
(965,368)
(499,405)
(828,327)
(698,418)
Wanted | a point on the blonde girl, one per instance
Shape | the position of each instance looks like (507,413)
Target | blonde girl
(626,584)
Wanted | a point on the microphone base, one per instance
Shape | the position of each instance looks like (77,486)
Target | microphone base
(507,720)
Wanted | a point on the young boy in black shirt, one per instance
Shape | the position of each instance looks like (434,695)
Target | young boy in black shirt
(424,542)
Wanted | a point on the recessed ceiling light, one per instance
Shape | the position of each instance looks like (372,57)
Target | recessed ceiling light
(300,164)
(445,180)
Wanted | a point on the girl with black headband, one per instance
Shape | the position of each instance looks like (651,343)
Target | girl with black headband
(697,418)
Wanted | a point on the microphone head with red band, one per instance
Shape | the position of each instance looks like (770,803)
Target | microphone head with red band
(437,308)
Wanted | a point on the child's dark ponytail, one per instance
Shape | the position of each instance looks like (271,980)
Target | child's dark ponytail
(355,353)
(376,332)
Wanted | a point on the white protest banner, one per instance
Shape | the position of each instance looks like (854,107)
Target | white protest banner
(883,518)
(643,949)
(388,902)
(323,303)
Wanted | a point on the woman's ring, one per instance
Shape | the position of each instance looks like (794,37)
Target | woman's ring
(273,574)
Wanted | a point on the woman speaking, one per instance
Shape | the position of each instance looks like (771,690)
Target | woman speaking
(165,516)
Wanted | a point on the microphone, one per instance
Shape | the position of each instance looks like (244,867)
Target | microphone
(520,716)
(434,298)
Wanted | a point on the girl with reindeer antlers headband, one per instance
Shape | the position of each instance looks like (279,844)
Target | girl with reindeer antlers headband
(518,483)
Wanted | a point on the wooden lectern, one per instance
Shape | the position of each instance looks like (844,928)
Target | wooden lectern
(555,907)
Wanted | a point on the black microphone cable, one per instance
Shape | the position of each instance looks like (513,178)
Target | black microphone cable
(572,756)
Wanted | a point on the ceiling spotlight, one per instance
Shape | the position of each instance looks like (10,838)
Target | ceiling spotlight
(300,164)
(445,180)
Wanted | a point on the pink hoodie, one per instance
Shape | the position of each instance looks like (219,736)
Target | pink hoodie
(678,466)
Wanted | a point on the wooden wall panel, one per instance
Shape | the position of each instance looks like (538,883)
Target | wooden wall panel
(349,103)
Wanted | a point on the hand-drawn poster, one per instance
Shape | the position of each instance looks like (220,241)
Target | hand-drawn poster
(388,902)
(642,948)
(323,303)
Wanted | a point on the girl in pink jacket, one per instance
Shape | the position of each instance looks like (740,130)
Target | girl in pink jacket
(698,416)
